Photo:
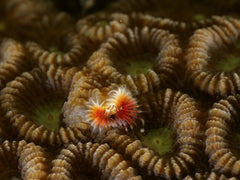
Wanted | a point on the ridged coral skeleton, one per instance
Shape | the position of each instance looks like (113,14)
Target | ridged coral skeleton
(17,15)
(28,157)
(103,161)
(23,98)
(66,79)
(209,176)
(9,155)
(33,162)
(201,64)
(222,143)
(181,114)
(13,61)
(98,27)
(139,51)
(65,48)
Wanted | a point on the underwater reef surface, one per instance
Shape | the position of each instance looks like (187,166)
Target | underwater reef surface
(137,89)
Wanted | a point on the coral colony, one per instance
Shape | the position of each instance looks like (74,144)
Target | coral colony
(139,90)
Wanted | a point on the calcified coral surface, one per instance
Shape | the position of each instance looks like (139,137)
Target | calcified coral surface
(138,51)
(178,123)
(223,137)
(209,71)
(95,160)
(138,89)
(207,175)
(23,160)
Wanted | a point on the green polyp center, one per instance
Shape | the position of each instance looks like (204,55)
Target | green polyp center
(199,17)
(101,23)
(229,61)
(135,68)
(160,140)
(228,64)
(55,50)
(49,114)
(138,65)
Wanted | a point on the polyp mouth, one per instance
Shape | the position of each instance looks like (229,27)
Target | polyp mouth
(229,61)
(160,140)
(137,65)
(49,114)
(56,50)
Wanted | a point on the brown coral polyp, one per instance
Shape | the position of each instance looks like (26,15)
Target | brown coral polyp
(26,12)
(33,162)
(9,155)
(101,161)
(16,16)
(13,61)
(63,48)
(139,51)
(192,12)
(207,175)
(222,142)
(20,160)
(32,105)
(44,29)
(181,28)
(176,112)
(209,71)
(91,91)
(148,7)
(72,51)
(100,26)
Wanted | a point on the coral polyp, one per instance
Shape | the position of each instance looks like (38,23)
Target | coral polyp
(177,118)
(100,161)
(208,70)
(222,136)
(208,175)
(43,93)
(121,109)
(22,160)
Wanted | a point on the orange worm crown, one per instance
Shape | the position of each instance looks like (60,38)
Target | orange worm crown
(120,109)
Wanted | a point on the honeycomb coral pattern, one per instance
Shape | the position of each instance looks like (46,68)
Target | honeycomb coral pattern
(116,89)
